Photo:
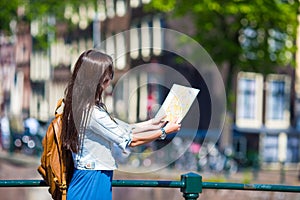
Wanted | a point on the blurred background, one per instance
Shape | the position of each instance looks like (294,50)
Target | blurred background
(253,43)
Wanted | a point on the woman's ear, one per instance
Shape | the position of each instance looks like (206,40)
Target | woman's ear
(104,83)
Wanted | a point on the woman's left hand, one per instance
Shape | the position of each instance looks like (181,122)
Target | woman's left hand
(157,120)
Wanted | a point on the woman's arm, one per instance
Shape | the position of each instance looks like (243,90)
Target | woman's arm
(144,123)
(150,121)
(101,124)
(149,125)
(143,137)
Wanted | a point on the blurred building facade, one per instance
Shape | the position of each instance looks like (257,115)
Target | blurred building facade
(265,130)
(15,87)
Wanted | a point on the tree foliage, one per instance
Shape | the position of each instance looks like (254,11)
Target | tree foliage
(8,12)
(45,12)
(252,35)
(248,35)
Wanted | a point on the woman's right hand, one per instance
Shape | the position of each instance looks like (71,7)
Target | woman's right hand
(172,126)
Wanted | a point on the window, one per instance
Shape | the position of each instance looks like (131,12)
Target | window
(277,101)
(270,148)
(249,100)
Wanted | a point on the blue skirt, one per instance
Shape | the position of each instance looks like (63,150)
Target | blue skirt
(90,185)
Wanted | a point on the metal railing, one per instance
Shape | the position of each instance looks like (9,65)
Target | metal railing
(190,185)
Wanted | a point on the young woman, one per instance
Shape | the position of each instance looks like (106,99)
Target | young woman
(90,132)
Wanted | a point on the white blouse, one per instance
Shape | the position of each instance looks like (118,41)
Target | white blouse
(100,135)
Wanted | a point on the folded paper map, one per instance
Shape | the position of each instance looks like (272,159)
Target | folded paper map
(178,102)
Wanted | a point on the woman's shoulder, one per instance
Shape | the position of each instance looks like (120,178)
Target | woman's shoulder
(98,111)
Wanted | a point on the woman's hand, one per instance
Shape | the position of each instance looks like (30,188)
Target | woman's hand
(172,127)
(152,132)
(152,124)
(157,120)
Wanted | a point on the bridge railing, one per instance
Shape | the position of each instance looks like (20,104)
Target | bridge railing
(190,185)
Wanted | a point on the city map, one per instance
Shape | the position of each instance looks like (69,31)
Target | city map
(178,102)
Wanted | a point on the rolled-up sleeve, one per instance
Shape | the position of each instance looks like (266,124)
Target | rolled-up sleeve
(103,125)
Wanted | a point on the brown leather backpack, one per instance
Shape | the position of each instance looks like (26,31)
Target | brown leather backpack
(56,166)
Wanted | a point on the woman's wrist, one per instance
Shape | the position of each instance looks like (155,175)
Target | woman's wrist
(163,134)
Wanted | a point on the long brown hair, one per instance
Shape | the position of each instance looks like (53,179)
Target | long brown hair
(84,90)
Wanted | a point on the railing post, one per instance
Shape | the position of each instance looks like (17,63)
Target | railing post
(192,186)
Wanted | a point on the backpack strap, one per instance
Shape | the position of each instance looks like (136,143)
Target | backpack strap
(58,105)
(63,186)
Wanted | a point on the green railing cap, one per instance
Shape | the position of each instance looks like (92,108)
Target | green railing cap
(192,183)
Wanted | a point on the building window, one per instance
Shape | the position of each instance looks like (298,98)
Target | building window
(292,149)
(277,101)
(270,148)
(134,42)
(120,51)
(110,47)
(157,36)
(249,100)
(135,3)
(145,40)
(121,8)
